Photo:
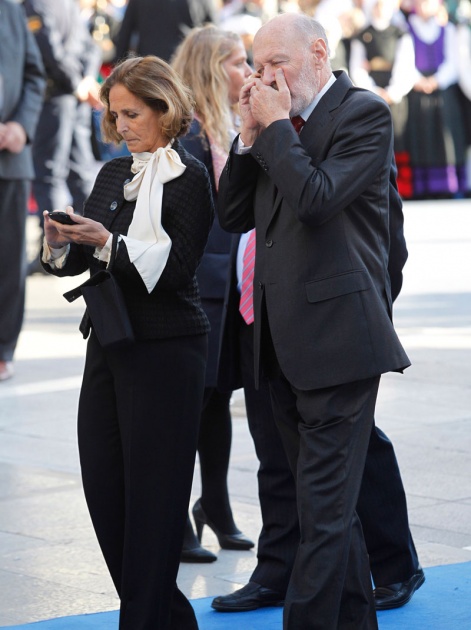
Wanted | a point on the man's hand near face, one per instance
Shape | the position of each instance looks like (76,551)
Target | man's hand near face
(270,102)
(261,104)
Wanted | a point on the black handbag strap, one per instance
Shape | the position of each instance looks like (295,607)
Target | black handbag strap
(97,277)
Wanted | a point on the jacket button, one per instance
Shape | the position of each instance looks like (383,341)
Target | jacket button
(260,285)
(113,206)
(269,243)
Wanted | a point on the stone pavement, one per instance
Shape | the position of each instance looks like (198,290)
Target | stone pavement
(50,564)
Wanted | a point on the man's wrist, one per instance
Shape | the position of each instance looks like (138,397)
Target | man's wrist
(248,136)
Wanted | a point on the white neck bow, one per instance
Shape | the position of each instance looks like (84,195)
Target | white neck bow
(147,242)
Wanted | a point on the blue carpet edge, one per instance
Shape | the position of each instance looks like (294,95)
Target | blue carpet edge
(442,603)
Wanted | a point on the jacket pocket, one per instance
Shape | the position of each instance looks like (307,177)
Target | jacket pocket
(335,286)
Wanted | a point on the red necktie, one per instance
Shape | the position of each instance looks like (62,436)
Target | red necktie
(246,290)
(297,122)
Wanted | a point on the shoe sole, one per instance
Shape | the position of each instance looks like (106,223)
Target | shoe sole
(402,602)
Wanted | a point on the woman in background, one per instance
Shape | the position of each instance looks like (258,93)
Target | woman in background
(382,60)
(139,404)
(435,126)
(213,63)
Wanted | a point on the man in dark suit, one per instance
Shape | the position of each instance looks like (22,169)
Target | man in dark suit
(21,95)
(322,331)
(381,506)
(156,27)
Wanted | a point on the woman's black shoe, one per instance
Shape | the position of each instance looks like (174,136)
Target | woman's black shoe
(236,541)
(197,554)
(192,550)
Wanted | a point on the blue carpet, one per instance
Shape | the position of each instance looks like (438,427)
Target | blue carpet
(443,603)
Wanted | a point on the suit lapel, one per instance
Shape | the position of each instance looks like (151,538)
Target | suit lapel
(320,119)
(322,116)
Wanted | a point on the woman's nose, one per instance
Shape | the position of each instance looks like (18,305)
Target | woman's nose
(120,126)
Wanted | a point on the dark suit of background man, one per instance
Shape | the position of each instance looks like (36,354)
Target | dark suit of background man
(156,27)
(323,331)
(21,95)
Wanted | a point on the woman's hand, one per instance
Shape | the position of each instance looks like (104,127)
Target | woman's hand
(83,232)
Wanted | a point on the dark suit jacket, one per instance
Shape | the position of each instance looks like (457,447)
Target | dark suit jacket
(156,27)
(23,86)
(320,203)
(173,308)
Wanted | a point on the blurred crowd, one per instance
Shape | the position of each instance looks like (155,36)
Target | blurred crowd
(416,54)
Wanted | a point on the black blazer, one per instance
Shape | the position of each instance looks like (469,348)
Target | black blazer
(320,202)
(173,308)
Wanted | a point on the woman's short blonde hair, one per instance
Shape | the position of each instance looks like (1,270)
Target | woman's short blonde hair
(157,84)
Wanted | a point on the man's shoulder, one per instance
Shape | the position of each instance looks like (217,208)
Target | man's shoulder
(11,7)
(355,95)
(13,22)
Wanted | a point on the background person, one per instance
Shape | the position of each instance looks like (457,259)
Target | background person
(21,95)
(382,60)
(322,304)
(62,151)
(213,63)
(463,32)
(138,410)
(156,28)
(435,131)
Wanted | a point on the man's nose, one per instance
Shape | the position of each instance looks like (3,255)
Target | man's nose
(268,76)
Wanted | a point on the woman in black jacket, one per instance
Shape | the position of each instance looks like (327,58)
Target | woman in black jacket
(139,404)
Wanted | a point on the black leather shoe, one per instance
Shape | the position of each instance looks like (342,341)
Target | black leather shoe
(396,595)
(236,541)
(249,597)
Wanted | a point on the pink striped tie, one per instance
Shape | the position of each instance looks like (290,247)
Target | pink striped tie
(246,290)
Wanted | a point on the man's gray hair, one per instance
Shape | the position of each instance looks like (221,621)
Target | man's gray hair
(309,28)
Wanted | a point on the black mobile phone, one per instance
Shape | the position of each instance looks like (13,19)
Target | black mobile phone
(61,217)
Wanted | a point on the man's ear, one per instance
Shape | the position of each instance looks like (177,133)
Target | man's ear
(320,51)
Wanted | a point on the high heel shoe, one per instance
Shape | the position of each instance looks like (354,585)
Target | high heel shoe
(236,541)
(192,551)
